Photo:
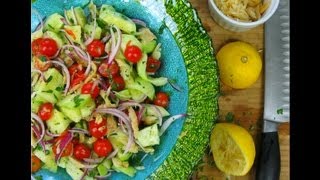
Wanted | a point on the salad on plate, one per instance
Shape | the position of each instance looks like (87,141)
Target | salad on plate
(95,102)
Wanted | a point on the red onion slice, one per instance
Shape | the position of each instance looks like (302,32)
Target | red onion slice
(64,21)
(51,134)
(83,55)
(89,64)
(63,144)
(66,72)
(95,161)
(38,134)
(124,105)
(124,118)
(115,49)
(140,113)
(174,86)
(114,153)
(169,121)
(139,22)
(78,130)
(102,57)
(106,38)
(39,122)
(40,72)
(84,174)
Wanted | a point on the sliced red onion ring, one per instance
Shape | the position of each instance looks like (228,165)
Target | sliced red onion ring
(56,55)
(126,104)
(139,22)
(169,121)
(124,118)
(174,86)
(51,134)
(64,21)
(103,84)
(106,38)
(83,55)
(115,49)
(88,41)
(122,127)
(114,153)
(74,16)
(38,134)
(89,64)
(95,161)
(51,141)
(40,72)
(39,18)
(103,177)
(84,174)
(90,166)
(39,122)
(69,40)
(66,72)
(102,57)
(140,113)
(63,144)
(78,130)
(65,15)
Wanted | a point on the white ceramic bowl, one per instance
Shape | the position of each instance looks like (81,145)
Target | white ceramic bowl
(233,25)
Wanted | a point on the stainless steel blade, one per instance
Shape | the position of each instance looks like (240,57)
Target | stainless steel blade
(277,68)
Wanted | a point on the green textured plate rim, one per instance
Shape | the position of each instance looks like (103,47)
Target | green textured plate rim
(203,86)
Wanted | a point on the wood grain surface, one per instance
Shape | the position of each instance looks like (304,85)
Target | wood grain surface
(246,105)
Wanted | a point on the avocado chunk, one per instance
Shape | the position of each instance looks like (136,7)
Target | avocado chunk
(58,122)
(88,28)
(74,33)
(54,23)
(149,136)
(47,158)
(56,37)
(111,17)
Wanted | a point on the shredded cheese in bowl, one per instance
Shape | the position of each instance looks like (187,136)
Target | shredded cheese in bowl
(243,10)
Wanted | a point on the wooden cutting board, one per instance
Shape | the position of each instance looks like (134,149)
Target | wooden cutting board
(245,105)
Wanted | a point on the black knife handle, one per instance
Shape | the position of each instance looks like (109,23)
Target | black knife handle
(268,167)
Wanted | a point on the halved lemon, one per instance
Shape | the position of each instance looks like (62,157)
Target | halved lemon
(233,149)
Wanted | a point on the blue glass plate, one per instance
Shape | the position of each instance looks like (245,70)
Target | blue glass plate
(187,59)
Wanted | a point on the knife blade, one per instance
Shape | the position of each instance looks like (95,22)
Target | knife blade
(277,90)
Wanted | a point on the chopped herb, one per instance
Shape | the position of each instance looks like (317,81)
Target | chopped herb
(43,58)
(57,123)
(280,111)
(49,79)
(47,152)
(51,26)
(77,100)
(49,91)
(229,117)
(60,88)
(54,95)
(71,20)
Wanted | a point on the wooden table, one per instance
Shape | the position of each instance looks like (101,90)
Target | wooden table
(246,105)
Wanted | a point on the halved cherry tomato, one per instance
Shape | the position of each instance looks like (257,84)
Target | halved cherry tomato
(45,111)
(109,70)
(35,163)
(117,83)
(95,48)
(76,73)
(153,65)
(162,99)
(87,89)
(98,130)
(132,53)
(102,147)
(44,46)
(68,149)
(81,151)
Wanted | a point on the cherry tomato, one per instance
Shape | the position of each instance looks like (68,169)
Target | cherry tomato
(40,62)
(45,111)
(117,83)
(81,151)
(87,89)
(98,130)
(108,70)
(162,99)
(153,65)
(77,74)
(35,163)
(95,48)
(132,53)
(67,151)
(102,147)
(36,45)
(75,141)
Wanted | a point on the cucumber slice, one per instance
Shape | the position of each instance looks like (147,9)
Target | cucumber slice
(56,37)
(81,17)
(148,47)
(54,23)
(74,33)
(73,114)
(58,122)
(54,80)
(36,35)
(88,30)
(143,86)
(149,136)
(47,158)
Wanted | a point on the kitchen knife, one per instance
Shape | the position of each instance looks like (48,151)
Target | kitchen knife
(277,90)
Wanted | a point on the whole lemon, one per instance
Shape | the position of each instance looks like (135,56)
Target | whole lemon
(240,64)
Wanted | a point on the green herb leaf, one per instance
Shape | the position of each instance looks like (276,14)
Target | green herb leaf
(280,111)
(49,79)
(77,100)
(229,117)
(60,88)
(49,91)
(43,58)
